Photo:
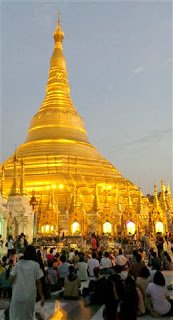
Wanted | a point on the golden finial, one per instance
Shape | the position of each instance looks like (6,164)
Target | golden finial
(163,187)
(155,194)
(155,189)
(22,179)
(14,188)
(2,180)
(169,189)
(59,34)
(15,155)
(59,14)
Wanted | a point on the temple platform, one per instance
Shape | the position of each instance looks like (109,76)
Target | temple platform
(76,310)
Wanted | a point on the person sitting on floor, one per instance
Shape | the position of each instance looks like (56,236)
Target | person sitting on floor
(155,261)
(71,285)
(167,262)
(162,304)
(130,301)
(52,276)
(106,264)
(143,279)
(120,259)
(96,293)
(142,282)
(115,294)
(93,263)
(63,269)
(82,269)
(136,266)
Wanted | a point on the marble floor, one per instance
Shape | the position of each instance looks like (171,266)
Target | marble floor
(75,310)
(59,309)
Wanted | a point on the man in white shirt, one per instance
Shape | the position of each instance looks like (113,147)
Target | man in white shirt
(92,263)
(120,259)
(10,244)
(71,254)
(106,264)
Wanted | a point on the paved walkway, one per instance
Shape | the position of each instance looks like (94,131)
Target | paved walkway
(76,310)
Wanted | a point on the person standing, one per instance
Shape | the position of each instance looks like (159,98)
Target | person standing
(1,246)
(159,243)
(25,279)
(10,245)
(94,242)
(22,243)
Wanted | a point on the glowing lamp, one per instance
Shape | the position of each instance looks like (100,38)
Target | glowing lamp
(47,228)
(107,227)
(75,227)
(59,313)
(107,187)
(159,226)
(131,227)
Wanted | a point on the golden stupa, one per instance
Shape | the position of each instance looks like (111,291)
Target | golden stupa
(73,187)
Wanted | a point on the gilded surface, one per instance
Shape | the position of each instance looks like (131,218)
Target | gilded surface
(57,153)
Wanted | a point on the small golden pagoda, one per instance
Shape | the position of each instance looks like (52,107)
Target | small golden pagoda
(89,193)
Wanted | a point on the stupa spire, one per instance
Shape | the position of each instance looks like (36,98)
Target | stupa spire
(57,117)
(169,196)
(169,189)
(15,189)
(156,200)
(163,195)
(2,180)
(22,179)
(58,34)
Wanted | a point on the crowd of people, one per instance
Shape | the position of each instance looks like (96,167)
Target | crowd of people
(127,285)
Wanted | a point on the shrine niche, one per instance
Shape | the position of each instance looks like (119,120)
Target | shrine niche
(75,228)
(107,227)
(47,229)
(77,223)
(131,227)
(159,227)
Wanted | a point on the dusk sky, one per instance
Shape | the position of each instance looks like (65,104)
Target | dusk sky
(119,61)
